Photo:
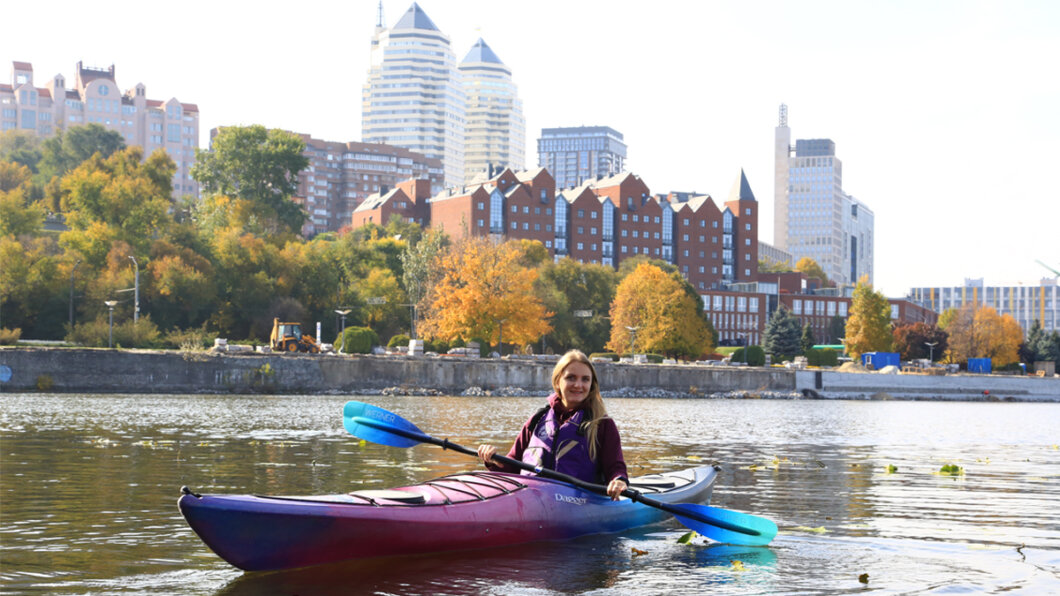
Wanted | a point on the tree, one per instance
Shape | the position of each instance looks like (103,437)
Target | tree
(837,327)
(66,151)
(765,266)
(21,147)
(783,335)
(664,314)
(979,332)
(483,293)
(259,167)
(18,215)
(911,339)
(807,341)
(811,269)
(417,274)
(568,286)
(869,325)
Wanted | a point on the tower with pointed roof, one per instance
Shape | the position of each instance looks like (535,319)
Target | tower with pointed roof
(495,128)
(413,97)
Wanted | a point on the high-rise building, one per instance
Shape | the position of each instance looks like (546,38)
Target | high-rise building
(414,96)
(813,217)
(342,175)
(95,97)
(495,131)
(577,154)
(1026,304)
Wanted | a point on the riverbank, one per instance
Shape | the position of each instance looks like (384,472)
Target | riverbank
(156,371)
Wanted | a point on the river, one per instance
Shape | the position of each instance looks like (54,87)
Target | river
(89,483)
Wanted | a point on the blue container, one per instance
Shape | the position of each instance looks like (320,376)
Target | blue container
(879,360)
(979,365)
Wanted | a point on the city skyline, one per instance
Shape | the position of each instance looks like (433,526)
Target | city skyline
(943,114)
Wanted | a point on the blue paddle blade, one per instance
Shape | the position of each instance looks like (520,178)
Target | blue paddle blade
(705,520)
(377,425)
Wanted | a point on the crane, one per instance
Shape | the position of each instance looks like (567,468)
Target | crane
(1057,273)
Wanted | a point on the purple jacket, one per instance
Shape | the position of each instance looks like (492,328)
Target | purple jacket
(609,462)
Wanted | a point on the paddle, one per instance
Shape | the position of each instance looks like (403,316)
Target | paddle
(377,425)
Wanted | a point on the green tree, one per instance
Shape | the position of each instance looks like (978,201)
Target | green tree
(31,283)
(869,326)
(569,286)
(807,341)
(783,335)
(21,147)
(259,167)
(66,151)
(418,275)
(18,215)
(836,328)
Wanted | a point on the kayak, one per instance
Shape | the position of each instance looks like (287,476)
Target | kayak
(461,511)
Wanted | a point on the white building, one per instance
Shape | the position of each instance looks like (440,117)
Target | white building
(813,217)
(1024,303)
(495,130)
(414,96)
(95,97)
(577,154)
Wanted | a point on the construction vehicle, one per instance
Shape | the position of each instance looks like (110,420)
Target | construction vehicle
(288,337)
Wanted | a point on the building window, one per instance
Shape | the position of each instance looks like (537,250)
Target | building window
(593,215)
(717,303)
(581,213)
(752,304)
(481,205)
(515,225)
(515,209)
(741,304)
(831,309)
(796,306)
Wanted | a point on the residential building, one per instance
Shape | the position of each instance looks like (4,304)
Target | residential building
(414,95)
(495,130)
(95,97)
(341,175)
(1025,303)
(813,217)
(578,154)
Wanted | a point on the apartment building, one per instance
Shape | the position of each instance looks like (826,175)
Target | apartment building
(95,97)
(1025,303)
(495,129)
(341,175)
(579,154)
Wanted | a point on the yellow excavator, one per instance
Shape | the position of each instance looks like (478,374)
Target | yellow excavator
(288,337)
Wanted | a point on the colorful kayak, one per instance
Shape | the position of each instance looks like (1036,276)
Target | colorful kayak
(462,511)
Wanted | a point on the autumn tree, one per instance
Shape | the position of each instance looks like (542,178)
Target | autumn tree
(766,266)
(911,339)
(811,269)
(18,214)
(977,331)
(869,325)
(783,334)
(248,178)
(21,147)
(664,314)
(67,150)
(483,293)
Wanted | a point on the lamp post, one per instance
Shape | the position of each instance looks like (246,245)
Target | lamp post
(136,291)
(633,341)
(72,271)
(342,330)
(743,341)
(110,306)
(931,350)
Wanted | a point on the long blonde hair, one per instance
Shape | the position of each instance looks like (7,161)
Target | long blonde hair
(594,407)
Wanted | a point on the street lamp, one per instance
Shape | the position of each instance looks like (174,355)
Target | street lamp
(136,291)
(633,341)
(342,331)
(931,350)
(110,306)
(72,271)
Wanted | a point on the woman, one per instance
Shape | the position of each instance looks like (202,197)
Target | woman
(573,434)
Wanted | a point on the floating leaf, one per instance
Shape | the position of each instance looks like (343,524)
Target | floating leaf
(863,578)
(637,552)
(686,538)
(891,468)
(362,443)
(752,467)
(951,470)
(737,566)
(817,530)
(694,458)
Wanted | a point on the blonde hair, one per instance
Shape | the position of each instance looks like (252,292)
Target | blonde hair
(594,407)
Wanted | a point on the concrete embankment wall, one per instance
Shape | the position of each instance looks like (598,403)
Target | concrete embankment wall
(838,385)
(141,371)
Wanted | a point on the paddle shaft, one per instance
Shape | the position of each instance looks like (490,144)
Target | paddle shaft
(554,475)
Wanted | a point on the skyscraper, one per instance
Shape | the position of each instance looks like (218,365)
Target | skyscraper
(813,217)
(414,97)
(580,153)
(495,131)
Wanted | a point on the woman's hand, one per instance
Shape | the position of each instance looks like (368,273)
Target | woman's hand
(486,453)
(614,489)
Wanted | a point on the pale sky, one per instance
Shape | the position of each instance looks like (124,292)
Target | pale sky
(946,115)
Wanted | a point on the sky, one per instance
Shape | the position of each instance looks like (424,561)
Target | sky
(945,114)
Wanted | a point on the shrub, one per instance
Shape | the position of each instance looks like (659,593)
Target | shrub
(189,339)
(655,358)
(143,334)
(10,337)
(752,355)
(398,340)
(437,346)
(44,383)
(609,355)
(822,357)
(359,340)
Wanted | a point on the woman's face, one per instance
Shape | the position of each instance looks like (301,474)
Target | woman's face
(574,384)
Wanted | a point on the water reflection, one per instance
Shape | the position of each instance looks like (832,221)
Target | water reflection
(88,487)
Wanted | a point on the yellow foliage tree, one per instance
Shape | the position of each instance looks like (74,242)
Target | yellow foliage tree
(664,314)
(810,268)
(483,293)
(979,332)
(869,326)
